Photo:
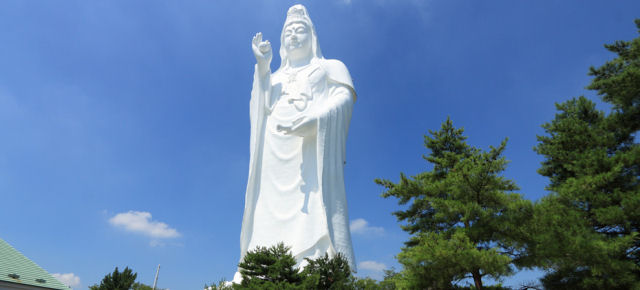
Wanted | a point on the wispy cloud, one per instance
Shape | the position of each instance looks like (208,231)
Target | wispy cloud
(141,222)
(156,243)
(68,279)
(361,226)
(372,266)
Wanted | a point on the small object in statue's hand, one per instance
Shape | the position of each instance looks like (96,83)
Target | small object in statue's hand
(265,47)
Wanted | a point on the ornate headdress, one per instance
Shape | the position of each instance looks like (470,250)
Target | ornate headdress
(297,13)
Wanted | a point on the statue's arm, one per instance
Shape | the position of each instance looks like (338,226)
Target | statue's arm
(340,96)
(262,77)
(302,127)
(262,86)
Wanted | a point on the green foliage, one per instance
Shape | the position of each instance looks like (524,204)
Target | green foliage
(370,284)
(327,273)
(269,285)
(464,218)
(366,284)
(587,232)
(124,280)
(267,267)
(274,268)
(618,82)
(140,286)
(117,280)
(449,260)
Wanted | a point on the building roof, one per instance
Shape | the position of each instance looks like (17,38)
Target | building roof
(16,268)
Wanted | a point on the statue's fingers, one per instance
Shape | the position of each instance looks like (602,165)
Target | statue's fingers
(264,47)
(299,120)
(284,129)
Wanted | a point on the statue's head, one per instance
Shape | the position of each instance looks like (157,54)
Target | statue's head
(298,38)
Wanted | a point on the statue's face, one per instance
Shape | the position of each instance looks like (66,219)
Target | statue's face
(297,39)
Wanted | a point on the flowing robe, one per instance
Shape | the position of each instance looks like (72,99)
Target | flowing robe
(295,192)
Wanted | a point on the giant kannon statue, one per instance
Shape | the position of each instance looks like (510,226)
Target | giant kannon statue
(299,123)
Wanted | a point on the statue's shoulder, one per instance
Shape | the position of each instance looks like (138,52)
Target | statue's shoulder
(334,65)
(337,71)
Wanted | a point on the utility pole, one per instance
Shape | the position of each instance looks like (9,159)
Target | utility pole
(155,281)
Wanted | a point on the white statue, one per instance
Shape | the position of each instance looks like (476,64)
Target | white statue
(299,122)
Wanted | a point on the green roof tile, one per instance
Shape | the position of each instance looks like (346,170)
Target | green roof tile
(14,263)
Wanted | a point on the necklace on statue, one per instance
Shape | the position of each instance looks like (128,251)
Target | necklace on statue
(297,93)
(292,77)
(292,73)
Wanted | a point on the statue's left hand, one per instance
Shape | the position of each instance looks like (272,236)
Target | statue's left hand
(301,127)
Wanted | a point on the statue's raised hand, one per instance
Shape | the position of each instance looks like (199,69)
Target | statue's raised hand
(262,50)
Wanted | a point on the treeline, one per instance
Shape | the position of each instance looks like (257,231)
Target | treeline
(275,268)
(125,280)
(466,220)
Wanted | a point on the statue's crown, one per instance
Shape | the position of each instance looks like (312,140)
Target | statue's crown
(297,13)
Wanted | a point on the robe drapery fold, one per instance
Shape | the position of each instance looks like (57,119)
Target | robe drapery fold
(333,98)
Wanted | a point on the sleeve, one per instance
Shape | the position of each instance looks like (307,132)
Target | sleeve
(338,73)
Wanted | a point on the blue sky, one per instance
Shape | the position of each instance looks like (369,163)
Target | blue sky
(124,125)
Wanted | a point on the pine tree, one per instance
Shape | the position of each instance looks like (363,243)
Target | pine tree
(117,280)
(588,225)
(328,273)
(266,268)
(463,216)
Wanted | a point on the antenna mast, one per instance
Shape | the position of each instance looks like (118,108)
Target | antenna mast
(155,281)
